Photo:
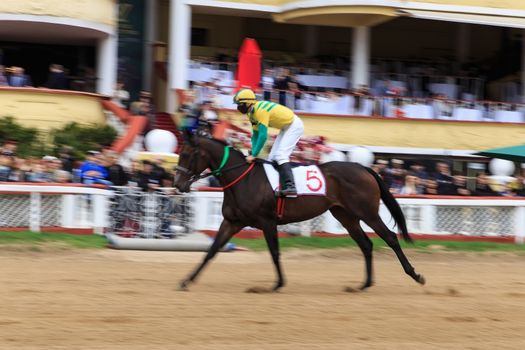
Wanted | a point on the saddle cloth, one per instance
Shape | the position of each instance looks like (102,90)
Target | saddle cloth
(309,180)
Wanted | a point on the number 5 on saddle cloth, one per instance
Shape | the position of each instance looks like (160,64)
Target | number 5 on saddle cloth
(309,180)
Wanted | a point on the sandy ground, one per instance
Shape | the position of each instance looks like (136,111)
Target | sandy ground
(126,300)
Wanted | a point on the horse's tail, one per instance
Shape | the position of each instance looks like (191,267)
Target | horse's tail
(392,205)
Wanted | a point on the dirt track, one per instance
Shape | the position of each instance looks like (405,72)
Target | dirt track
(126,300)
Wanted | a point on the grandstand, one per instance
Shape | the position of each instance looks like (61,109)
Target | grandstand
(417,81)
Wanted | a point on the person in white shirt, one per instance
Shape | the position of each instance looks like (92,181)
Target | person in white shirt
(120,96)
(267,84)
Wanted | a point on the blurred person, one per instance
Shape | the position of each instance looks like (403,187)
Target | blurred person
(57,78)
(262,115)
(206,91)
(418,170)
(281,83)
(442,108)
(431,187)
(9,148)
(207,117)
(120,95)
(189,113)
(158,172)
(39,173)
(66,157)
(6,164)
(482,186)
(411,185)
(396,176)
(460,183)
(3,78)
(51,164)
(20,170)
(134,173)
(91,171)
(382,166)
(147,180)
(62,176)
(267,83)
(444,179)
(116,173)
(508,190)
(144,107)
(18,78)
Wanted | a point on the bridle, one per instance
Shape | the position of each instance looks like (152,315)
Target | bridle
(217,172)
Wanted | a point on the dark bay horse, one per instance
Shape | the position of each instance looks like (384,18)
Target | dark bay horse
(353,194)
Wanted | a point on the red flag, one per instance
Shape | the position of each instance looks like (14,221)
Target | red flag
(249,67)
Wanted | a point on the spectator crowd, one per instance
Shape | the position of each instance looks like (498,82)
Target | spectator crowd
(58,78)
(417,180)
(103,168)
(99,168)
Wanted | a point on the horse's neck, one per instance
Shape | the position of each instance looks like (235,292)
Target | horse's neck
(216,156)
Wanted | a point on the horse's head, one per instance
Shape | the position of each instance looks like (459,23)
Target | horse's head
(193,160)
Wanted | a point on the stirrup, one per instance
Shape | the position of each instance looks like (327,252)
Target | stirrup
(284,193)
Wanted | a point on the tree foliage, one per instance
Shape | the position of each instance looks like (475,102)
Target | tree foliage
(28,140)
(33,143)
(83,138)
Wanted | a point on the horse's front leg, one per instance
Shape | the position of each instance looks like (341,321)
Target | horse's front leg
(270,235)
(225,233)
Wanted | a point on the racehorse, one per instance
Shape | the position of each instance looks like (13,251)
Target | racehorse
(352,195)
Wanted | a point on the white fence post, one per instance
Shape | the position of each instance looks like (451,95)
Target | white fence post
(519,225)
(34,211)
(68,210)
(428,218)
(100,213)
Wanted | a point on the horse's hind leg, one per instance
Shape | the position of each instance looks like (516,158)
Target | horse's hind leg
(351,224)
(225,233)
(391,239)
(270,235)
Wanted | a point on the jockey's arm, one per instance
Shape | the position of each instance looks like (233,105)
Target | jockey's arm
(259,137)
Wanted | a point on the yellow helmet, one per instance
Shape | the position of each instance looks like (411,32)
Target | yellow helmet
(245,96)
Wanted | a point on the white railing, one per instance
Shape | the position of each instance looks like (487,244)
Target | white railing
(38,206)
(462,216)
(70,207)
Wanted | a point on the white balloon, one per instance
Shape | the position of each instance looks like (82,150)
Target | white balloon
(361,155)
(160,141)
(501,167)
(334,156)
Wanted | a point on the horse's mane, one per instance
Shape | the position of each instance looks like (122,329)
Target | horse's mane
(224,143)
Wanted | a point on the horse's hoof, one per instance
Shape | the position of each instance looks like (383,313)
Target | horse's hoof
(421,280)
(351,290)
(183,287)
(258,290)
(365,286)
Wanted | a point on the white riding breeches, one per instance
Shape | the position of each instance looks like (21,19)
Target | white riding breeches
(285,142)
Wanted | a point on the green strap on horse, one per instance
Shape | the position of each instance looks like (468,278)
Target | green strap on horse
(225,157)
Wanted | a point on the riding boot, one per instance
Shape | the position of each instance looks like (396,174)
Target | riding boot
(287,182)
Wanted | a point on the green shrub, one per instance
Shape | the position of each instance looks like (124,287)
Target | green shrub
(83,138)
(29,140)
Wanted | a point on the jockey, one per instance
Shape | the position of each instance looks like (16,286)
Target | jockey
(264,114)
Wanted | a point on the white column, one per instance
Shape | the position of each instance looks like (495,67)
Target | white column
(151,19)
(311,43)
(107,64)
(360,56)
(179,50)
(523,65)
(463,42)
